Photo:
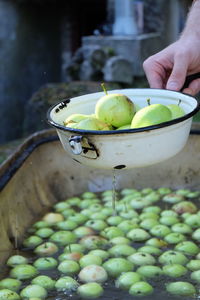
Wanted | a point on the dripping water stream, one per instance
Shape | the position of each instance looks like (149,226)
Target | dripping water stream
(114,192)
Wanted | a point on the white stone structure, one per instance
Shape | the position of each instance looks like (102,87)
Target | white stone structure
(133,48)
(124,19)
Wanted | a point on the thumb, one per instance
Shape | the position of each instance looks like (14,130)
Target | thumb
(178,74)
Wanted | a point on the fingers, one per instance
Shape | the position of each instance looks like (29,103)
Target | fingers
(154,73)
(193,88)
(168,68)
(177,78)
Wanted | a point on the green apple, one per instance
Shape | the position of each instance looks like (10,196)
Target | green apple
(53,218)
(71,125)
(115,109)
(137,107)
(128,126)
(176,111)
(90,290)
(181,288)
(151,115)
(75,118)
(9,295)
(93,273)
(92,124)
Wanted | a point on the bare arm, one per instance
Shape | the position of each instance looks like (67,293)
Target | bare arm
(193,22)
(169,68)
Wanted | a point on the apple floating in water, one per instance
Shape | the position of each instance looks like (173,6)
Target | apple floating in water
(115,109)
(152,114)
(176,110)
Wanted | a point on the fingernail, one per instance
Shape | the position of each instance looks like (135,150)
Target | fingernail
(173,85)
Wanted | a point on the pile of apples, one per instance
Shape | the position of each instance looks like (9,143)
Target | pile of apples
(118,112)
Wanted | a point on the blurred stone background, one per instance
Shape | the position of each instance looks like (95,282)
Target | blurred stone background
(51,50)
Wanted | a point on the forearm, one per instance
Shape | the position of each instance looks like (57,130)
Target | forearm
(192,27)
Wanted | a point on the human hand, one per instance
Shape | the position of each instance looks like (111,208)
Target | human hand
(169,68)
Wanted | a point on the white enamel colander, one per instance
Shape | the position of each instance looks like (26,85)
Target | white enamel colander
(124,149)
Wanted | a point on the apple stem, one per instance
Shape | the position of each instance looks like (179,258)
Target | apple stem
(104,88)
(179,102)
(149,101)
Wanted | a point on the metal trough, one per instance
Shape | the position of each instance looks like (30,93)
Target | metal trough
(40,173)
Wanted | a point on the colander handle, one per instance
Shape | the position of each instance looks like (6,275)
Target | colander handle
(75,144)
(82,146)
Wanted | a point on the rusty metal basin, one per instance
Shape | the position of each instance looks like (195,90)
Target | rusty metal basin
(40,173)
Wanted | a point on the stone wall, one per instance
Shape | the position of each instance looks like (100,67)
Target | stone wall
(37,39)
(28,48)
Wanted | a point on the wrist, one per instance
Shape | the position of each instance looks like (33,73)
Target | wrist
(190,38)
(195,4)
